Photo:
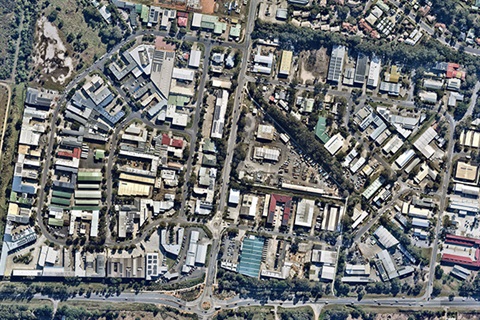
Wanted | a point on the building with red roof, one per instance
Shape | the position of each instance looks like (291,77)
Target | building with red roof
(462,260)
(279,200)
(76,153)
(453,71)
(182,19)
(167,141)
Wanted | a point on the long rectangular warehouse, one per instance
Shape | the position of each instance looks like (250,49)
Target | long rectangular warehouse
(92,194)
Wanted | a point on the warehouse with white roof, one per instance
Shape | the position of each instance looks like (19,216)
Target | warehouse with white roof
(422,144)
(334,144)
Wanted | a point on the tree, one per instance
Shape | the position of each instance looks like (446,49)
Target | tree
(45,312)
(173,29)
(437,289)
(438,272)
(52,16)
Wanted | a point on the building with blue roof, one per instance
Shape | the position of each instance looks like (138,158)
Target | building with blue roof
(19,187)
(251,256)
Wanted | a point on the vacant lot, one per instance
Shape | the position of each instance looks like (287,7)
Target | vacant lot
(314,64)
(65,44)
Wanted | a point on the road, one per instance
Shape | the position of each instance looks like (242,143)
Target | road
(236,302)
(473,101)
(443,202)
(216,224)
(236,105)
(364,229)
(195,128)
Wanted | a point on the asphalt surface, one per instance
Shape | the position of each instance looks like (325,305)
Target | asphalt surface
(236,302)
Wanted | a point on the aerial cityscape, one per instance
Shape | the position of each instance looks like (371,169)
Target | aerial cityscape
(247,159)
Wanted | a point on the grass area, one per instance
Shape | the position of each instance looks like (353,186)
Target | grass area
(8,25)
(189,295)
(103,306)
(379,312)
(449,284)
(111,310)
(3,106)
(82,42)
(34,303)
(10,147)
(170,262)
(253,313)
(302,313)
(426,253)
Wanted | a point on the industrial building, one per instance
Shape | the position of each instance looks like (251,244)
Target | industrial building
(405,158)
(285,64)
(218,121)
(251,256)
(361,69)
(422,144)
(249,206)
(374,72)
(335,67)
(428,97)
(266,154)
(466,172)
(385,238)
(304,214)
(265,132)
(466,190)
(274,201)
(335,143)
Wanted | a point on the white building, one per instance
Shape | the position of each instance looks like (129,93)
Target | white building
(374,72)
(304,215)
(219,114)
(334,144)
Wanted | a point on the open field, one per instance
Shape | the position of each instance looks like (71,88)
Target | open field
(254,313)
(302,313)
(8,32)
(126,311)
(65,43)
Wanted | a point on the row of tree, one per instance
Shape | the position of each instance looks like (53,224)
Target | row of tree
(305,139)
(268,289)
(423,54)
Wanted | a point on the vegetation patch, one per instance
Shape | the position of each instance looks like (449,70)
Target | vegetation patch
(303,313)
(8,35)
(250,313)
(77,32)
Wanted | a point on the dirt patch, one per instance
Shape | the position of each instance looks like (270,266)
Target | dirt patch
(51,53)
(208,6)
(314,65)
